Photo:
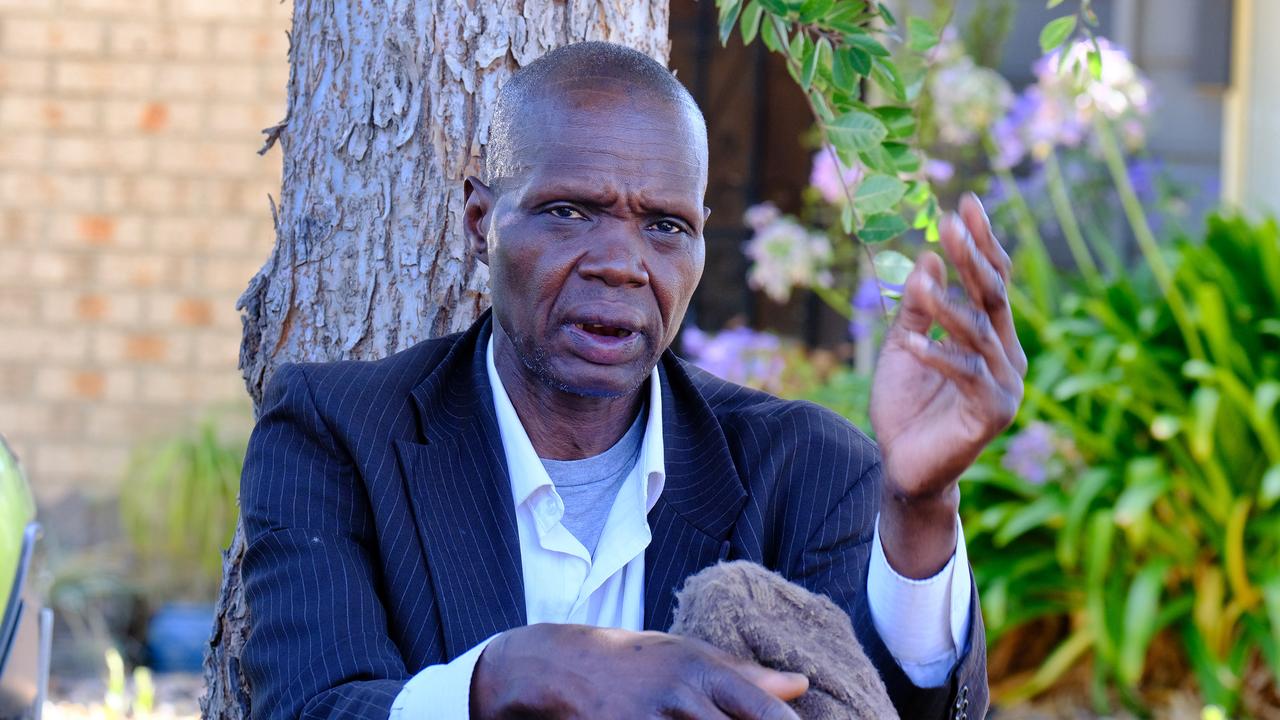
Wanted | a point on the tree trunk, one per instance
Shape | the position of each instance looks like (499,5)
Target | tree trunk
(389,102)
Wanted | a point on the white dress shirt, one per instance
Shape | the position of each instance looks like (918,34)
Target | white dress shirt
(924,623)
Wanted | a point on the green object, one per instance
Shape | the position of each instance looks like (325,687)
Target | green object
(17,510)
(178,510)
(1136,497)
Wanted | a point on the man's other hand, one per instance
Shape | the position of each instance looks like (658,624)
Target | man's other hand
(935,405)
(576,671)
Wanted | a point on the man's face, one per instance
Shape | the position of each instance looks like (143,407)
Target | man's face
(594,243)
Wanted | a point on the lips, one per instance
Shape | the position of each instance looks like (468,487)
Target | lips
(605,339)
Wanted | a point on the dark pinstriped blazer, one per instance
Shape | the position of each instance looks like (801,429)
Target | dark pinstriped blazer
(382,537)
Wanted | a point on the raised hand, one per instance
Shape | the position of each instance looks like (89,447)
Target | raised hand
(576,672)
(935,405)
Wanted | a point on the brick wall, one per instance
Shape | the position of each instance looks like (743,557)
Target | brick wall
(133,211)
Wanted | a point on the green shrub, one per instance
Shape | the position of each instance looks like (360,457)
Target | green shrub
(1137,497)
(178,509)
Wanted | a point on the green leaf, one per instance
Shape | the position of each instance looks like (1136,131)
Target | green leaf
(1053,4)
(769,34)
(856,130)
(905,160)
(1056,33)
(888,16)
(813,60)
(860,60)
(878,159)
(813,9)
(885,74)
(846,17)
(882,227)
(797,47)
(1082,383)
(900,121)
(777,7)
(1095,64)
(892,267)
(866,43)
(846,219)
(921,35)
(1141,614)
(843,74)
(728,18)
(1204,404)
(1047,510)
(1270,489)
(751,15)
(878,193)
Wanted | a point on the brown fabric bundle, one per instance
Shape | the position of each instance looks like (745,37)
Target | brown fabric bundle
(754,614)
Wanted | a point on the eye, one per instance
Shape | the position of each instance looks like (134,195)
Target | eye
(668,227)
(564,212)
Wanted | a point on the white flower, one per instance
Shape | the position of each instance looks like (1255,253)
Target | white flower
(785,255)
(967,99)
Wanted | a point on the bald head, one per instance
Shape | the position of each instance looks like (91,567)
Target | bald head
(582,75)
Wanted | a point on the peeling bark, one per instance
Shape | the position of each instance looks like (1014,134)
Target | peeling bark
(388,108)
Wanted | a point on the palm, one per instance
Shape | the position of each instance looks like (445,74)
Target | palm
(922,417)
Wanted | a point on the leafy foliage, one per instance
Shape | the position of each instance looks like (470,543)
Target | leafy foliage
(1158,513)
(178,509)
(832,49)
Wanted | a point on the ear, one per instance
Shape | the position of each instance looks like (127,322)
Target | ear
(477,213)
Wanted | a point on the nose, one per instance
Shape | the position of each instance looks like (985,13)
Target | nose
(614,257)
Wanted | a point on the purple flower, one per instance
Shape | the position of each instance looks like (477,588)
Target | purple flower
(1028,453)
(739,355)
(827,172)
(868,312)
(1143,173)
(939,170)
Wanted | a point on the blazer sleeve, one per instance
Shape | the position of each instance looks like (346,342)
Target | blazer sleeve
(317,645)
(834,562)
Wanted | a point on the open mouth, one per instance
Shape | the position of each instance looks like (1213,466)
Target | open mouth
(603,330)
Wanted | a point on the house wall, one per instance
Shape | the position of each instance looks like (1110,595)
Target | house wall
(1251,145)
(133,211)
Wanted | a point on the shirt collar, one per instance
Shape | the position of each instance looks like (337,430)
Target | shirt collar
(527,475)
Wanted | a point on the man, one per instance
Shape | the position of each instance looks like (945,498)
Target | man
(485,524)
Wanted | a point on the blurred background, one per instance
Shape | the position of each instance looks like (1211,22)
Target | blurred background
(133,212)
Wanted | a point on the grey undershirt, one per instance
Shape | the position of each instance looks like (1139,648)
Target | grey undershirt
(589,486)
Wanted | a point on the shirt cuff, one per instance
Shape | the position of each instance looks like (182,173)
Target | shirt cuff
(440,691)
(923,623)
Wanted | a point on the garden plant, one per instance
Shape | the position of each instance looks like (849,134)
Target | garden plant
(1128,525)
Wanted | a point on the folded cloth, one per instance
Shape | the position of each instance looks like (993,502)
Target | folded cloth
(755,614)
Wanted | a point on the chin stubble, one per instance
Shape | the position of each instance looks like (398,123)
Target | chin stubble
(538,362)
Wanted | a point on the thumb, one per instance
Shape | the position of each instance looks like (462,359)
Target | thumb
(913,314)
(782,685)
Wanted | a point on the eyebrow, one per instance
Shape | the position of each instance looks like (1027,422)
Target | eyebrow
(604,196)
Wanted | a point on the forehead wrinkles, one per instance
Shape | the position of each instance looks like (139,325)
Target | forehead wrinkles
(605,121)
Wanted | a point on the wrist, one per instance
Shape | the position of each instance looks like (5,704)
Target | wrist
(483,703)
(918,532)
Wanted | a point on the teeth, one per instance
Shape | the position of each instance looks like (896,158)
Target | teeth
(597,329)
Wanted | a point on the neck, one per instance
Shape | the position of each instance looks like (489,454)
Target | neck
(561,425)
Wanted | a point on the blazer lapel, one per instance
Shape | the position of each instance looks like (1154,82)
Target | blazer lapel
(456,480)
(701,499)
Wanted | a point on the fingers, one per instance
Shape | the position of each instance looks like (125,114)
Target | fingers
(914,315)
(984,269)
(743,698)
(979,225)
(963,367)
(971,329)
(784,685)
